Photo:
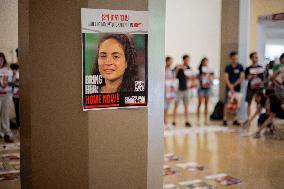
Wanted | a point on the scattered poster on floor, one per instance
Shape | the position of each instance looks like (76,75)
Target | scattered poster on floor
(10,157)
(115,58)
(10,146)
(168,171)
(224,179)
(197,184)
(170,186)
(171,157)
(190,166)
(9,175)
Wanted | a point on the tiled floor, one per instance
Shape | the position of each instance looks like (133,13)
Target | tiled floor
(12,164)
(259,163)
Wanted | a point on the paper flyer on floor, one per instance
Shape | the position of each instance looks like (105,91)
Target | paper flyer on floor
(224,179)
(191,166)
(9,175)
(10,157)
(114,58)
(170,186)
(197,184)
(171,157)
(168,171)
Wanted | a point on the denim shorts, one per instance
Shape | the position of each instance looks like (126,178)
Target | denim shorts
(166,104)
(204,92)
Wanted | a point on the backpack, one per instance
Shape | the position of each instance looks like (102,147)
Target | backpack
(218,111)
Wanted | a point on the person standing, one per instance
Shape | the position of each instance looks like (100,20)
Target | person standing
(183,74)
(255,76)
(16,90)
(278,81)
(205,78)
(170,89)
(268,84)
(6,76)
(234,75)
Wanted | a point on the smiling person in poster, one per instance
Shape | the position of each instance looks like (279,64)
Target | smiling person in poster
(116,62)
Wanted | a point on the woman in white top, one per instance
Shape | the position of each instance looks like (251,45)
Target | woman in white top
(6,77)
(170,89)
(205,77)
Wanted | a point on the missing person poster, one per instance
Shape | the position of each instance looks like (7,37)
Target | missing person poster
(115,58)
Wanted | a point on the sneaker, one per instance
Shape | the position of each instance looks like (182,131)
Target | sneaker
(236,123)
(187,124)
(225,123)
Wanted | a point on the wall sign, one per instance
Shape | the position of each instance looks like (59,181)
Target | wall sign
(114,58)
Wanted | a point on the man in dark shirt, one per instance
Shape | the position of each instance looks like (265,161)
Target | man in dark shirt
(183,74)
(255,76)
(234,75)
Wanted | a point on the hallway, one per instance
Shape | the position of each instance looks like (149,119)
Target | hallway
(258,163)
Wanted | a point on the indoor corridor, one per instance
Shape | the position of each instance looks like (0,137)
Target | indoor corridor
(258,163)
(107,94)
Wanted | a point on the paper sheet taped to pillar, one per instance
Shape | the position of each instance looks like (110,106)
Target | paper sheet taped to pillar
(115,58)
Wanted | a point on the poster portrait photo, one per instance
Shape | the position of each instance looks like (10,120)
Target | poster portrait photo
(114,65)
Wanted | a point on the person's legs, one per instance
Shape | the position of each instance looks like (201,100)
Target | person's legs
(185,100)
(225,108)
(176,106)
(206,108)
(2,133)
(185,104)
(175,113)
(5,119)
(166,126)
(166,106)
(198,107)
(165,116)
(17,110)
(185,112)
(266,122)
(249,97)
(248,110)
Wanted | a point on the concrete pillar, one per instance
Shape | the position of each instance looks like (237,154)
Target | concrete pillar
(64,147)
(244,42)
(235,37)
(229,36)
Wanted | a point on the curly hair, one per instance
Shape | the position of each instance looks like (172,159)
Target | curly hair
(130,74)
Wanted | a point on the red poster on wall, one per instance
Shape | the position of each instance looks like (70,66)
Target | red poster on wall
(115,58)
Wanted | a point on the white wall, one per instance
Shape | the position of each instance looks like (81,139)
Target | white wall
(194,27)
(9,28)
(269,33)
(274,48)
